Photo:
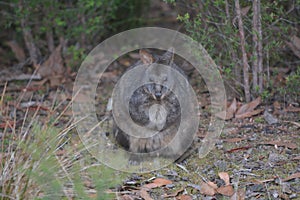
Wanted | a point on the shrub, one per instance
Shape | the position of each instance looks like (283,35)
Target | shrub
(214,24)
(81,23)
(46,161)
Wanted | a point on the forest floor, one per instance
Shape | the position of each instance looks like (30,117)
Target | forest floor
(257,156)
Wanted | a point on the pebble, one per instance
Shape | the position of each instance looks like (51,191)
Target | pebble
(221,165)
(274,193)
(274,158)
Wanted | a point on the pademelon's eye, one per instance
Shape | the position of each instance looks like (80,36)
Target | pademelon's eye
(151,79)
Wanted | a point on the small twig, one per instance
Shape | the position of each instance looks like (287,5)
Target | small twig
(182,167)
(239,149)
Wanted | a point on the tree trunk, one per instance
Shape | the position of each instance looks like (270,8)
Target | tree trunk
(260,50)
(34,52)
(237,68)
(244,55)
(49,33)
(50,40)
(255,45)
(83,34)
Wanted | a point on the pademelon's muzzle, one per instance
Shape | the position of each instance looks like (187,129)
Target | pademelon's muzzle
(158,95)
(158,92)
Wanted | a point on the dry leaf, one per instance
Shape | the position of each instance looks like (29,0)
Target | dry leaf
(110,75)
(238,149)
(61,152)
(221,115)
(174,194)
(82,98)
(126,197)
(296,158)
(233,106)
(239,195)
(7,123)
(18,51)
(184,197)
(150,185)
(296,123)
(294,45)
(279,143)
(245,10)
(158,182)
(225,177)
(276,105)
(201,134)
(55,81)
(292,109)
(249,106)
(212,184)
(162,181)
(229,111)
(249,114)
(255,181)
(125,62)
(53,65)
(226,190)
(10,74)
(293,176)
(145,195)
(134,55)
(68,113)
(3,156)
(88,184)
(39,83)
(284,196)
(296,41)
(195,186)
(93,195)
(207,189)
(146,57)
(233,140)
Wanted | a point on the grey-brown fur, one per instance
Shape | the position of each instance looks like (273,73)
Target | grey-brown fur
(154,106)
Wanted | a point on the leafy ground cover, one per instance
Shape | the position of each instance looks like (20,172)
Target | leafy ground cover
(256,156)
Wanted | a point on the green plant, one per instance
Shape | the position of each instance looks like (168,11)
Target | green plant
(265,95)
(34,169)
(213,30)
(293,83)
(170,1)
(214,24)
(42,160)
(43,25)
(76,54)
(259,120)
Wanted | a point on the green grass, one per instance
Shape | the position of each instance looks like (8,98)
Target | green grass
(43,160)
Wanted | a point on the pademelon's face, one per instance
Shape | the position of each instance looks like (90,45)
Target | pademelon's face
(160,81)
(158,77)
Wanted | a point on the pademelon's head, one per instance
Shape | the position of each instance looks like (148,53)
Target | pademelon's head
(159,78)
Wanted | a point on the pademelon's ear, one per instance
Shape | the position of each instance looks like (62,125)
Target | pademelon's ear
(146,57)
(168,57)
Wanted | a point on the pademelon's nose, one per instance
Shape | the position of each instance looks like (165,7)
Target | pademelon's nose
(158,95)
